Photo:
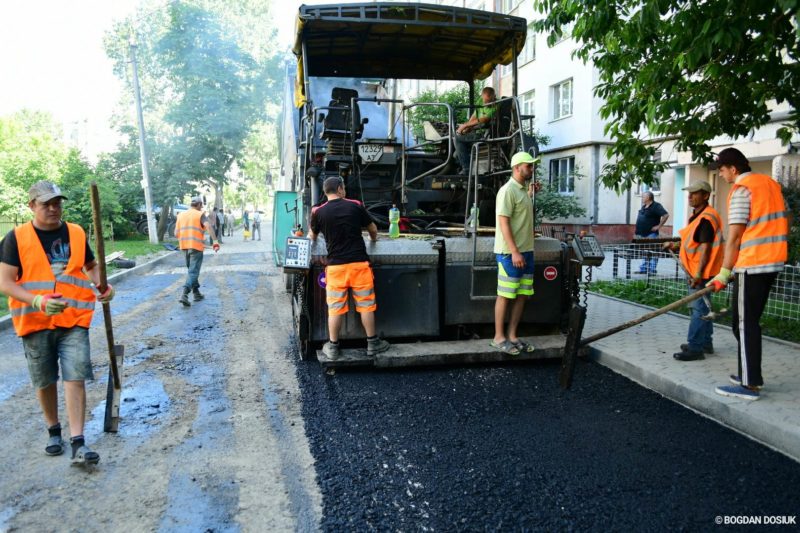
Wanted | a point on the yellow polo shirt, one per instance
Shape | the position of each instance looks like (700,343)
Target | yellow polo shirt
(513,202)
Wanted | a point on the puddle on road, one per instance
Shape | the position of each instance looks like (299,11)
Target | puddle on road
(200,503)
(6,515)
(145,404)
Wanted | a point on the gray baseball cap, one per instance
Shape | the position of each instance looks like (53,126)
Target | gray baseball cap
(698,186)
(44,191)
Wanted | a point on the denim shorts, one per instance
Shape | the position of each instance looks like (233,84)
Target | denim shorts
(44,349)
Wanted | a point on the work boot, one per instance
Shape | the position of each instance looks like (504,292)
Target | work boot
(689,355)
(376,346)
(197,295)
(185,298)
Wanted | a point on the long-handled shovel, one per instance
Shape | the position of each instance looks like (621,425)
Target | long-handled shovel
(574,342)
(115,351)
(712,315)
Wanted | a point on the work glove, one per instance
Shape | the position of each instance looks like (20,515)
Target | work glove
(215,246)
(49,304)
(107,296)
(720,281)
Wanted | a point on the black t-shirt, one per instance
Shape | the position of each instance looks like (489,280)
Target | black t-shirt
(56,247)
(704,231)
(340,221)
(648,217)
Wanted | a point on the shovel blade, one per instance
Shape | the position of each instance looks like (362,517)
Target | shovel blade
(113,395)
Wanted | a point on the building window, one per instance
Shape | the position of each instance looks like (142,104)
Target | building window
(527,103)
(505,70)
(507,6)
(562,99)
(654,187)
(529,50)
(562,174)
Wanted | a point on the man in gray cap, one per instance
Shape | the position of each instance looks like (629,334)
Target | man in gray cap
(48,271)
(190,229)
(701,251)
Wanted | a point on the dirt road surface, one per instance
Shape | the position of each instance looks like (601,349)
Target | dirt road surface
(211,436)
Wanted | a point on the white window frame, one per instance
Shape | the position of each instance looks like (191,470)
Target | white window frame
(505,70)
(527,103)
(528,53)
(655,187)
(563,166)
(562,99)
(507,6)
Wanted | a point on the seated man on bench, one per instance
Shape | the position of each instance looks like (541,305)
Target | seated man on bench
(468,133)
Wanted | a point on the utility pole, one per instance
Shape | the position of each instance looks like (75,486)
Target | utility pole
(148,202)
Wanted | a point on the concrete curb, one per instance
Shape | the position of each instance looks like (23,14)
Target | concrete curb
(736,416)
(5,322)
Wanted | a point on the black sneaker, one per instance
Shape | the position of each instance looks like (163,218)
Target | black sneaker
(184,299)
(708,350)
(688,356)
(197,295)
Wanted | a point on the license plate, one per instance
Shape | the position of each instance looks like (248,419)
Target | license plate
(370,152)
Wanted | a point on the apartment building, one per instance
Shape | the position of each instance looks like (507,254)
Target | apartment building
(559,91)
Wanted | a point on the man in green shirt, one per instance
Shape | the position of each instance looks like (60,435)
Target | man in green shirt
(513,247)
(468,132)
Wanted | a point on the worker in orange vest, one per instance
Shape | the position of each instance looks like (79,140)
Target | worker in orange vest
(755,253)
(48,271)
(701,250)
(190,229)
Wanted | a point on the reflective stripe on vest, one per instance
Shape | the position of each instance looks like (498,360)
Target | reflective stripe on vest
(689,254)
(189,230)
(37,277)
(764,241)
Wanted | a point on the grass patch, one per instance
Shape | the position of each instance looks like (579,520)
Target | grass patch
(638,292)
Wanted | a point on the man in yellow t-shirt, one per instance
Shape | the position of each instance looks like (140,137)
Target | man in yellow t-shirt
(513,247)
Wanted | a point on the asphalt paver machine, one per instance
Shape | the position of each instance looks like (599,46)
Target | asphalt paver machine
(345,114)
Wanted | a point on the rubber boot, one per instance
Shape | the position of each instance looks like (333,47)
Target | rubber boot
(185,298)
(197,295)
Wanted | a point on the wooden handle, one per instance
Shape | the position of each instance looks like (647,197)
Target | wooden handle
(100,255)
(666,309)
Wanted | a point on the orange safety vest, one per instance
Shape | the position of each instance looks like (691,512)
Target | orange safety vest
(765,239)
(37,277)
(189,230)
(690,248)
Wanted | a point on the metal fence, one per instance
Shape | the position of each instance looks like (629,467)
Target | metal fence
(660,274)
(6,226)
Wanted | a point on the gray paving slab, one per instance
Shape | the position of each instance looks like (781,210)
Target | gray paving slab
(644,354)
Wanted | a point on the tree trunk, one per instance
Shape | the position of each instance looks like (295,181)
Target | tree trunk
(163,220)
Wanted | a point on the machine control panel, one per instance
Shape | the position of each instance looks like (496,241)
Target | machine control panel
(298,254)
(588,250)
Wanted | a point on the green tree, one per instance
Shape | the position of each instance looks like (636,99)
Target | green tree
(76,179)
(30,151)
(457,96)
(683,68)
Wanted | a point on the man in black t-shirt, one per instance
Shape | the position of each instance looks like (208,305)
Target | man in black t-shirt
(341,220)
(651,217)
(48,277)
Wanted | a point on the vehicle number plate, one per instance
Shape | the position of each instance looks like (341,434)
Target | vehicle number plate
(370,152)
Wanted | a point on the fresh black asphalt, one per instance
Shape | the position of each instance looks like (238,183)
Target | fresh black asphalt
(503,448)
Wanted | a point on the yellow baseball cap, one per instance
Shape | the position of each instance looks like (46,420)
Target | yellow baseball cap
(523,158)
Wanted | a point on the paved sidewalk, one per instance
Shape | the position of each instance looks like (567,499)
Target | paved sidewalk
(644,354)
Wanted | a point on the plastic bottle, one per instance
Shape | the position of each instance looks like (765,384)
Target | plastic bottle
(472,221)
(394,219)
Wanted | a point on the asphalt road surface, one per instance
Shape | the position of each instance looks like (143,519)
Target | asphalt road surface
(224,430)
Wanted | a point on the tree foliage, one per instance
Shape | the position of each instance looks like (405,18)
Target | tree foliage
(77,176)
(30,151)
(456,96)
(695,70)
(207,70)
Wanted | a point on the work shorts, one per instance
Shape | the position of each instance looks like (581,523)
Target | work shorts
(513,281)
(44,349)
(350,276)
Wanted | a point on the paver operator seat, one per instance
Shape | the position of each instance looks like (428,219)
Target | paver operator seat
(337,126)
